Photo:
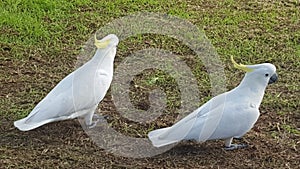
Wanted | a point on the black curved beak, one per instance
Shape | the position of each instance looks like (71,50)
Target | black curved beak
(273,78)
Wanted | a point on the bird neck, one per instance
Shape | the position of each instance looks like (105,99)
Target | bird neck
(105,58)
(252,89)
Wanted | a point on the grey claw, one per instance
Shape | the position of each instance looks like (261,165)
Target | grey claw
(97,118)
(94,124)
(100,117)
(236,146)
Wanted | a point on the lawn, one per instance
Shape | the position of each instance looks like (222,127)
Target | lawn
(40,42)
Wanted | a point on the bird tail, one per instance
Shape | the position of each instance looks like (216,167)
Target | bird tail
(24,126)
(169,135)
(156,137)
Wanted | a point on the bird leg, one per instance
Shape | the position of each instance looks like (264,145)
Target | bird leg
(229,146)
(88,118)
(92,119)
(93,123)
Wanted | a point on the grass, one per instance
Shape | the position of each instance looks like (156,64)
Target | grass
(28,20)
(39,43)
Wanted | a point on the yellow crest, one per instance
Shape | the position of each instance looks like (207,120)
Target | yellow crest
(101,44)
(240,66)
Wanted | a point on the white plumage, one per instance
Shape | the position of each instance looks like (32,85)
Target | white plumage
(226,116)
(79,93)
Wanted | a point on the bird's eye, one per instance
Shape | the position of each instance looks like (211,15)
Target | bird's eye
(266,74)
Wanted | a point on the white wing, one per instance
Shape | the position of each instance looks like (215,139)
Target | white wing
(63,102)
(219,118)
(198,125)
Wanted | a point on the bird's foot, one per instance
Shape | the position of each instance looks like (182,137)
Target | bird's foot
(96,119)
(239,138)
(93,124)
(235,146)
(100,117)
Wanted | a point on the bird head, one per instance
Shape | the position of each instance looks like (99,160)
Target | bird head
(110,40)
(264,73)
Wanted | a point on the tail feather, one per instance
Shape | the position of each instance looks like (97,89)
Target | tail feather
(23,125)
(157,141)
(179,131)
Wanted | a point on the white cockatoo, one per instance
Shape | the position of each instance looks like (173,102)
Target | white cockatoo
(226,116)
(79,93)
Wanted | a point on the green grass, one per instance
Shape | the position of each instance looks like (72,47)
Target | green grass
(49,26)
(29,20)
(33,22)
(267,35)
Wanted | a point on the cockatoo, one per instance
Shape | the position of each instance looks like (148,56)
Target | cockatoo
(79,93)
(226,116)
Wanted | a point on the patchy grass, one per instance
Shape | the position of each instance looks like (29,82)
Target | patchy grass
(34,22)
(39,43)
